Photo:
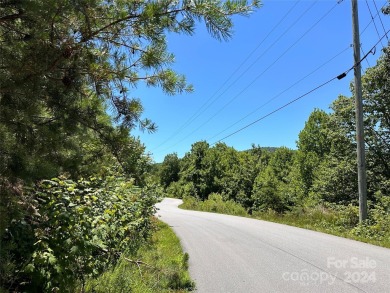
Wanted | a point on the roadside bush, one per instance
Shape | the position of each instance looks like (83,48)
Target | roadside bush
(180,190)
(190,203)
(377,226)
(76,230)
(215,204)
(174,190)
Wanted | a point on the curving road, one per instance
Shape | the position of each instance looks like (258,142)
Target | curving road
(235,254)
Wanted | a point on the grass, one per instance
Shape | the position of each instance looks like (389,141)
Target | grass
(341,221)
(159,266)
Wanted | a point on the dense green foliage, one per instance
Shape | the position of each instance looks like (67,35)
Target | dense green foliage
(256,179)
(74,192)
(214,204)
(169,170)
(159,266)
(76,230)
(320,177)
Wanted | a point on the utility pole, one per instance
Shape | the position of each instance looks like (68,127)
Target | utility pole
(361,160)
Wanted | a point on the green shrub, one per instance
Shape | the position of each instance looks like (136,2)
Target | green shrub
(190,203)
(77,230)
(377,227)
(214,204)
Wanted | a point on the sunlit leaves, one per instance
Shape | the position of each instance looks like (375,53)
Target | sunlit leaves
(84,226)
(169,170)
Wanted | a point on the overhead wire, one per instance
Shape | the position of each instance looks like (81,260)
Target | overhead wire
(368,24)
(372,20)
(282,92)
(214,97)
(372,17)
(258,108)
(380,18)
(276,110)
(261,74)
(266,51)
(386,35)
(271,65)
(368,63)
(238,78)
(305,94)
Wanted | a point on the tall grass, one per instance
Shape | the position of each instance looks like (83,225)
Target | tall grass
(159,266)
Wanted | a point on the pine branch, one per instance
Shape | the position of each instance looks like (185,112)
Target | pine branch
(11,17)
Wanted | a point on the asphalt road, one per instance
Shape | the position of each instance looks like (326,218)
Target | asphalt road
(235,254)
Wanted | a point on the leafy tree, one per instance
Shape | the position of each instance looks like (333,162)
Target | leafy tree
(266,192)
(376,94)
(223,170)
(249,166)
(334,178)
(169,170)
(336,181)
(313,144)
(376,128)
(192,168)
(61,61)
(314,138)
(269,190)
(280,163)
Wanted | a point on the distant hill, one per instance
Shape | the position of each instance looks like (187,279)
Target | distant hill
(269,149)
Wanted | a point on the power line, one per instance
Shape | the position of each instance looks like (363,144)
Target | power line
(368,63)
(274,111)
(380,18)
(305,94)
(266,103)
(266,51)
(210,101)
(377,32)
(258,108)
(262,73)
(366,27)
(269,67)
(361,33)
(250,55)
(199,112)
(286,90)
(282,92)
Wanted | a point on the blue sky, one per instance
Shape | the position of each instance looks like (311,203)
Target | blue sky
(283,50)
